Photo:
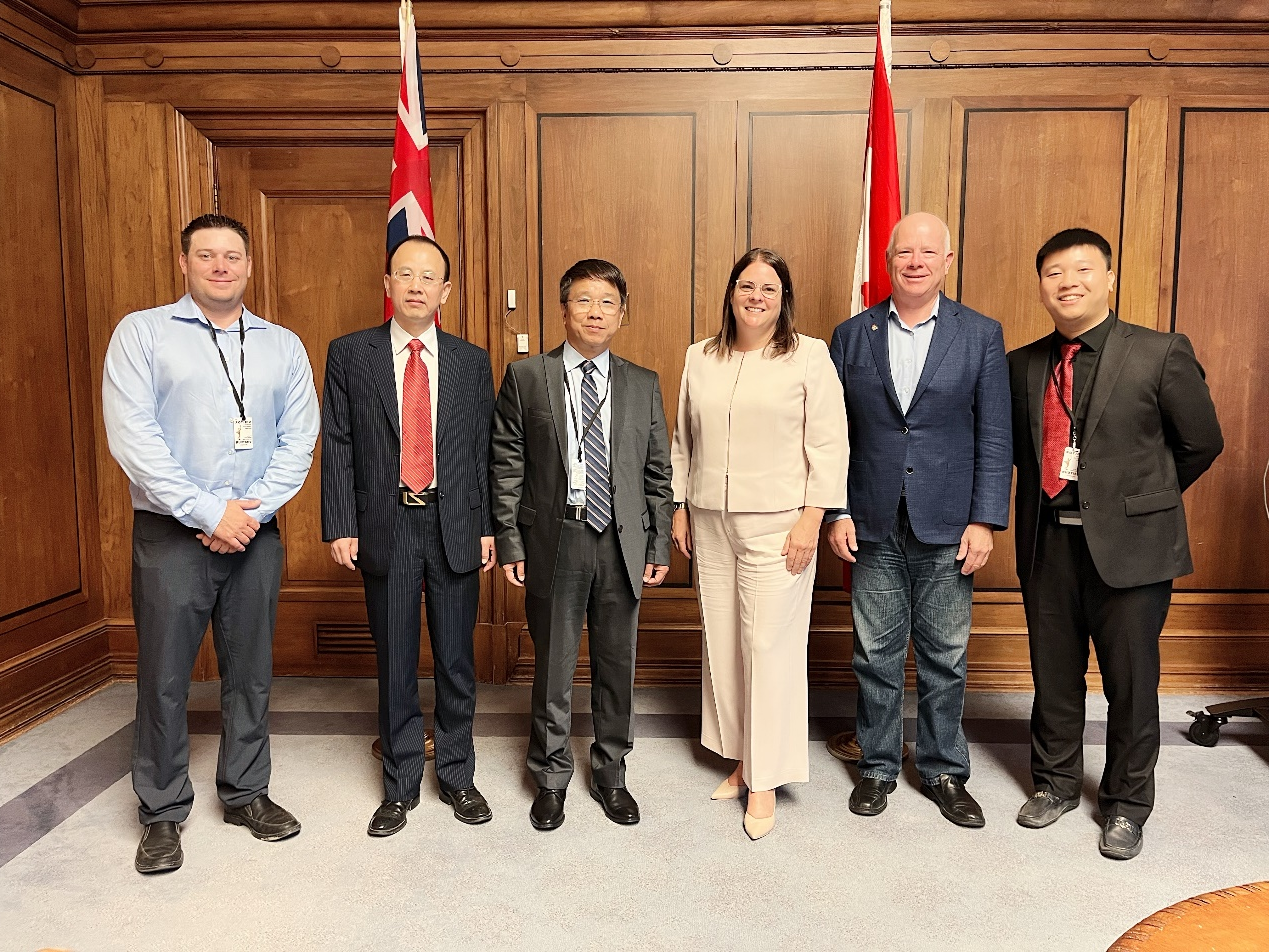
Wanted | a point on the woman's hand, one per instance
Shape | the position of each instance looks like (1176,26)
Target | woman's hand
(803,539)
(681,532)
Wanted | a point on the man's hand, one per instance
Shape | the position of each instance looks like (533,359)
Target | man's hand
(220,548)
(487,557)
(802,541)
(236,527)
(841,536)
(344,551)
(976,545)
(681,532)
(655,574)
(515,573)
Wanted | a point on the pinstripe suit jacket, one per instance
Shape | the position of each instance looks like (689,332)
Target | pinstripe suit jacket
(530,444)
(361,447)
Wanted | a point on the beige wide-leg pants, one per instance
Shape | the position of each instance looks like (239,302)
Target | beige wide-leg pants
(756,617)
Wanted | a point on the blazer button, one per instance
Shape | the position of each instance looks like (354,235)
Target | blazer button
(905,429)
(619,530)
(909,470)
(1084,505)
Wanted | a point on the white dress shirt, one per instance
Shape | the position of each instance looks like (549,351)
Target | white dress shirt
(574,376)
(400,354)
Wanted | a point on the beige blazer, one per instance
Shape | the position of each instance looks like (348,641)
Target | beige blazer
(757,433)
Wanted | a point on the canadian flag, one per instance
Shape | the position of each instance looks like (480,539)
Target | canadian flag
(411,191)
(882,208)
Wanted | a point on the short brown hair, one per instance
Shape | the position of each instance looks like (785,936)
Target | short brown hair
(203,222)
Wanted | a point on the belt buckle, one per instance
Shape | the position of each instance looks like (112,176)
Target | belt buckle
(411,498)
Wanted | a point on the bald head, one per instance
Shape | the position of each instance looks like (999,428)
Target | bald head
(923,221)
(918,259)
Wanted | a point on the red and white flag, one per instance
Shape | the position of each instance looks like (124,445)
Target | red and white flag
(882,207)
(411,191)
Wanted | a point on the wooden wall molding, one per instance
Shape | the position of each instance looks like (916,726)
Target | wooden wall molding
(52,677)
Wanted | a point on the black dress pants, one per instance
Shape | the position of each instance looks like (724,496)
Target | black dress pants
(1067,604)
(590,582)
(392,603)
(178,586)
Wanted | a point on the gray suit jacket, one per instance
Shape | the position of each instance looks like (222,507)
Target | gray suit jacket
(529,475)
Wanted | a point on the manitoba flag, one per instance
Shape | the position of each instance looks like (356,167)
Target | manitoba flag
(411,191)
(881,205)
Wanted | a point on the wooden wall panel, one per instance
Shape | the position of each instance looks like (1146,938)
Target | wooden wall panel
(38,519)
(1022,174)
(1222,290)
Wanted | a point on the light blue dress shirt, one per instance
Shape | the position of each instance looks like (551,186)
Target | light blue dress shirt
(573,371)
(909,346)
(170,412)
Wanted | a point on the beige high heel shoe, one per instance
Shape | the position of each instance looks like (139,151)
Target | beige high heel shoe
(727,791)
(757,828)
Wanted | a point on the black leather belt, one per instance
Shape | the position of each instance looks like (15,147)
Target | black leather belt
(408,497)
(1067,517)
(576,513)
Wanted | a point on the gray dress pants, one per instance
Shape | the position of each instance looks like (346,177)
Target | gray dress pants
(178,586)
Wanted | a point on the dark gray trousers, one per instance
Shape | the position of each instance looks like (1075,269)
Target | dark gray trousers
(178,586)
(392,604)
(591,582)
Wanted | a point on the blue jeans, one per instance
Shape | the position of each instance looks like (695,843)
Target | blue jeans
(899,587)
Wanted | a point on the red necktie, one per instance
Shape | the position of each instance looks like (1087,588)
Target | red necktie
(1057,424)
(416,423)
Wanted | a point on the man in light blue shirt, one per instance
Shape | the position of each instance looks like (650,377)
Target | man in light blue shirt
(211,413)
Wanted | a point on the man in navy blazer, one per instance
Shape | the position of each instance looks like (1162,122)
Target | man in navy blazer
(405,498)
(927,399)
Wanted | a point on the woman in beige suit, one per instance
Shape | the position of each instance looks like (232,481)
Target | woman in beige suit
(759,453)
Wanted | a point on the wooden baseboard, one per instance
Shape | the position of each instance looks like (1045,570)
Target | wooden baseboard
(47,680)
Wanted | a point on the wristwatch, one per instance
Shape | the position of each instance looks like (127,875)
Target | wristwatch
(679,505)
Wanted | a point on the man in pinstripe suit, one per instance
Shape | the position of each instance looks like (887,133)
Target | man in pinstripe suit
(581,474)
(405,456)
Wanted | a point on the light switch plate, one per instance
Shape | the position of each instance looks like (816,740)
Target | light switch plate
(522,342)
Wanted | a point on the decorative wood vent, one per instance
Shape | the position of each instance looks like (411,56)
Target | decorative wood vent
(343,639)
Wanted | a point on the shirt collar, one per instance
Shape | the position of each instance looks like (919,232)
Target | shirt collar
(573,360)
(401,337)
(934,311)
(186,310)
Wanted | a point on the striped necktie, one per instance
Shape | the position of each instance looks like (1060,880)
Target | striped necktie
(598,486)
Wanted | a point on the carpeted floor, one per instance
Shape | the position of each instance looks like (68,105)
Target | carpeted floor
(684,878)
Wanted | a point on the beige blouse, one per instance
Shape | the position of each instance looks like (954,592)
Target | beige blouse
(757,433)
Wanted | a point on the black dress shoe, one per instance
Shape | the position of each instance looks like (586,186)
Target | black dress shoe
(619,806)
(264,818)
(1043,809)
(869,796)
(1121,838)
(548,809)
(469,806)
(160,848)
(390,817)
(954,801)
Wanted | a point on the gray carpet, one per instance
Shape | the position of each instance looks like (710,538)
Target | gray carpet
(684,878)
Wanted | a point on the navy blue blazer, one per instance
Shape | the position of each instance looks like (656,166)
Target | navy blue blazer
(954,445)
(361,447)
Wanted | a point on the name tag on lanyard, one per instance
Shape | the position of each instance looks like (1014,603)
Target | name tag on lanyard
(1070,464)
(577,475)
(242,434)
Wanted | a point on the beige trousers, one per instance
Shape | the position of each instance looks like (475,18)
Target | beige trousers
(753,670)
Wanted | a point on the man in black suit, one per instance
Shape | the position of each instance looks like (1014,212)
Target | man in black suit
(581,498)
(405,464)
(1111,423)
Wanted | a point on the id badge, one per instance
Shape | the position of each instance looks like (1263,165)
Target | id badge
(1070,464)
(577,475)
(242,434)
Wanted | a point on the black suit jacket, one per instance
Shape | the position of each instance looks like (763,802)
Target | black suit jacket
(1149,431)
(361,447)
(530,476)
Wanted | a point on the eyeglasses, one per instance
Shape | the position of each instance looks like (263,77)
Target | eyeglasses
(607,306)
(769,291)
(407,277)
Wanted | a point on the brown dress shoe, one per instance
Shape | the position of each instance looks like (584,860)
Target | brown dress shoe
(160,848)
(265,819)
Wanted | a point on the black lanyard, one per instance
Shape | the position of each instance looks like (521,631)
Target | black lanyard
(572,411)
(240,392)
(1058,378)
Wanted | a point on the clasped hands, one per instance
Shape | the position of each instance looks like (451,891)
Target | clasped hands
(235,530)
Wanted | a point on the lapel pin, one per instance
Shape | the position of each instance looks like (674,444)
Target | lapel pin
(874,327)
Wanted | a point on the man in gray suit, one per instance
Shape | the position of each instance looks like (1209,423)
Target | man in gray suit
(581,502)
